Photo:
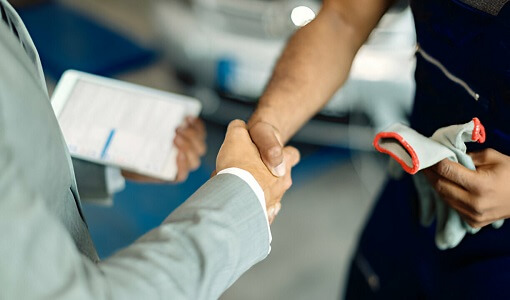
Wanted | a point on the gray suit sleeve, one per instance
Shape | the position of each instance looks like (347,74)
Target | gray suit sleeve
(201,248)
(197,253)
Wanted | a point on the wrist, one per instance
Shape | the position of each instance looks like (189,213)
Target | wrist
(264,114)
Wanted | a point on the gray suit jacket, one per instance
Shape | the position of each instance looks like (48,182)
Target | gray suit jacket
(45,248)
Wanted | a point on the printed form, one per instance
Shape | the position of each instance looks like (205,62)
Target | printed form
(122,128)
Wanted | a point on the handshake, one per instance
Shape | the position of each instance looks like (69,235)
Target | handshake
(257,150)
(257,154)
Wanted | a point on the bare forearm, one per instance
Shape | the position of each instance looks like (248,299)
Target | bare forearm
(315,64)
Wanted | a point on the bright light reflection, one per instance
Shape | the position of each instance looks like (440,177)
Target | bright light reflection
(302,15)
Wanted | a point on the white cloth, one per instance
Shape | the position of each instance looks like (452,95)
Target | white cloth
(415,152)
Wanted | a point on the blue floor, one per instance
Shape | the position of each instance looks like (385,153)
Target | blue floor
(67,39)
(141,207)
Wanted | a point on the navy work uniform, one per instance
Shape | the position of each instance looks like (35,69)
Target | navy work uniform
(463,71)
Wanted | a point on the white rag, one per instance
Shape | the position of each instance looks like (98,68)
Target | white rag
(415,152)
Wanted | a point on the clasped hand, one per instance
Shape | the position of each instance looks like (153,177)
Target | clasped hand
(480,197)
(238,150)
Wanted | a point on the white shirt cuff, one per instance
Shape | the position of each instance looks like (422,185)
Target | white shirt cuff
(255,186)
(115,182)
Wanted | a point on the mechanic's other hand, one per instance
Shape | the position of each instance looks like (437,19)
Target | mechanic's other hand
(481,196)
(267,139)
(239,151)
(190,140)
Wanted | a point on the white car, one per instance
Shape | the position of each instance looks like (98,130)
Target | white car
(226,50)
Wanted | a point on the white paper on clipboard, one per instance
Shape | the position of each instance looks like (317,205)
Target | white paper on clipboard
(116,123)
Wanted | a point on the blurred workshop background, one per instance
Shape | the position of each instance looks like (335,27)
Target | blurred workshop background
(222,52)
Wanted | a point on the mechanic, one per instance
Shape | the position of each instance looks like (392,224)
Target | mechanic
(463,71)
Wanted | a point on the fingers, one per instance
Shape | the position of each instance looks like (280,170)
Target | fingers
(198,125)
(190,140)
(473,222)
(479,196)
(273,211)
(193,133)
(189,149)
(457,197)
(182,167)
(291,156)
(193,138)
(267,139)
(456,173)
(467,205)
(186,152)
(478,157)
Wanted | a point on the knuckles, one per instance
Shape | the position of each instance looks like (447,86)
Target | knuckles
(474,223)
(440,187)
(484,154)
(444,168)
(478,210)
(480,213)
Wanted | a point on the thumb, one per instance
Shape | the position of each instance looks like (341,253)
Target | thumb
(267,140)
(485,157)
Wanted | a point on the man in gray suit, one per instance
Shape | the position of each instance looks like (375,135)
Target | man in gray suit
(46,251)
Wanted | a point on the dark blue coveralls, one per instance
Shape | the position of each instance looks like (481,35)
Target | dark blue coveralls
(396,257)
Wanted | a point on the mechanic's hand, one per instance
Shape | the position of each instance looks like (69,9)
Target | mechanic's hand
(267,139)
(482,196)
(239,151)
(190,140)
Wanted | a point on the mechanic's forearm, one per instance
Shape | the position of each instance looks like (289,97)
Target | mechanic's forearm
(315,64)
